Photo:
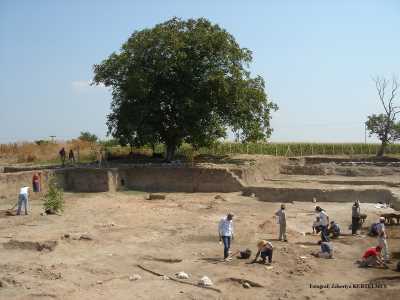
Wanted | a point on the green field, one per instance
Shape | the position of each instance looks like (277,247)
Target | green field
(276,149)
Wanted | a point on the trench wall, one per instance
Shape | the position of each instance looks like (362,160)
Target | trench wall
(171,179)
(10,183)
(185,179)
(278,194)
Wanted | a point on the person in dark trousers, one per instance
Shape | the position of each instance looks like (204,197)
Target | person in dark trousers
(62,156)
(225,230)
(355,217)
(265,249)
(281,215)
(334,229)
(36,183)
(71,156)
(323,223)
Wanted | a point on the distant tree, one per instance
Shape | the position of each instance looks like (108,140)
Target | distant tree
(385,126)
(88,137)
(183,81)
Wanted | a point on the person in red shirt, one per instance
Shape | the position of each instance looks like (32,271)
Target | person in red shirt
(36,182)
(372,257)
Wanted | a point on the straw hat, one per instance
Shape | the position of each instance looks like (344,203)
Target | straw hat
(261,243)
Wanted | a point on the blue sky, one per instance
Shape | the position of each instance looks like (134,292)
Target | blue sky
(317,57)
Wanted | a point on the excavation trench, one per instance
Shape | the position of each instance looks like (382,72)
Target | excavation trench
(213,180)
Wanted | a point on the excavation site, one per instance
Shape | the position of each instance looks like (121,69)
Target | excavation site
(151,230)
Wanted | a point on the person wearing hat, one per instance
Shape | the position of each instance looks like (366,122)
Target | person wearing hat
(281,214)
(225,230)
(265,250)
(355,217)
(382,239)
(323,223)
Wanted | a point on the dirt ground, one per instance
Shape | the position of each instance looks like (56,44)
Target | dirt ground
(121,230)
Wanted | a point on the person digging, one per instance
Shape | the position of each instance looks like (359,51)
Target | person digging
(265,250)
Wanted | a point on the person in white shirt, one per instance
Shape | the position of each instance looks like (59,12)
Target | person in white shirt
(323,223)
(382,242)
(23,200)
(225,231)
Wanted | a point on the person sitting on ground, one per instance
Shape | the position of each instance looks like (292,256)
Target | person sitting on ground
(326,250)
(372,258)
(315,226)
(373,230)
(265,250)
(334,229)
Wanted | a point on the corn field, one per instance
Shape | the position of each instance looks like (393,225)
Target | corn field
(291,149)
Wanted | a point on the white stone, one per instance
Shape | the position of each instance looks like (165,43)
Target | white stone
(135,277)
(182,275)
(205,281)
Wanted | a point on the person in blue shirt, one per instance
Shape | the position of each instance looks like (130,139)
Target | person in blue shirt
(334,229)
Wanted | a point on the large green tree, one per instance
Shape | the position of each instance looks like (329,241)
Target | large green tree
(385,125)
(184,81)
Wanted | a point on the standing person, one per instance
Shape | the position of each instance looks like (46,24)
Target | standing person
(36,182)
(382,239)
(71,156)
(62,156)
(323,223)
(23,200)
(265,249)
(355,217)
(281,214)
(225,231)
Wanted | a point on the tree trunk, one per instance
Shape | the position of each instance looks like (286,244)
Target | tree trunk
(381,150)
(170,152)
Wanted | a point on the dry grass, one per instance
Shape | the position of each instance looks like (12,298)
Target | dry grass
(28,152)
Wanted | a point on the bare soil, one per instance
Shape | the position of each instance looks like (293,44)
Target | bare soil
(179,233)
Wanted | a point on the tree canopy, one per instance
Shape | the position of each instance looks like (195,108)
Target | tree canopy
(87,136)
(183,81)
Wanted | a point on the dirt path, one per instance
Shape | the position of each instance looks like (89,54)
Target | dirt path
(121,230)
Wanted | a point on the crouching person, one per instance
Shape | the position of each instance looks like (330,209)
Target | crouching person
(265,250)
(334,229)
(326,250)
(372,258)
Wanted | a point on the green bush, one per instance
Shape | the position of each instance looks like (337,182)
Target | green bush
(54,198)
